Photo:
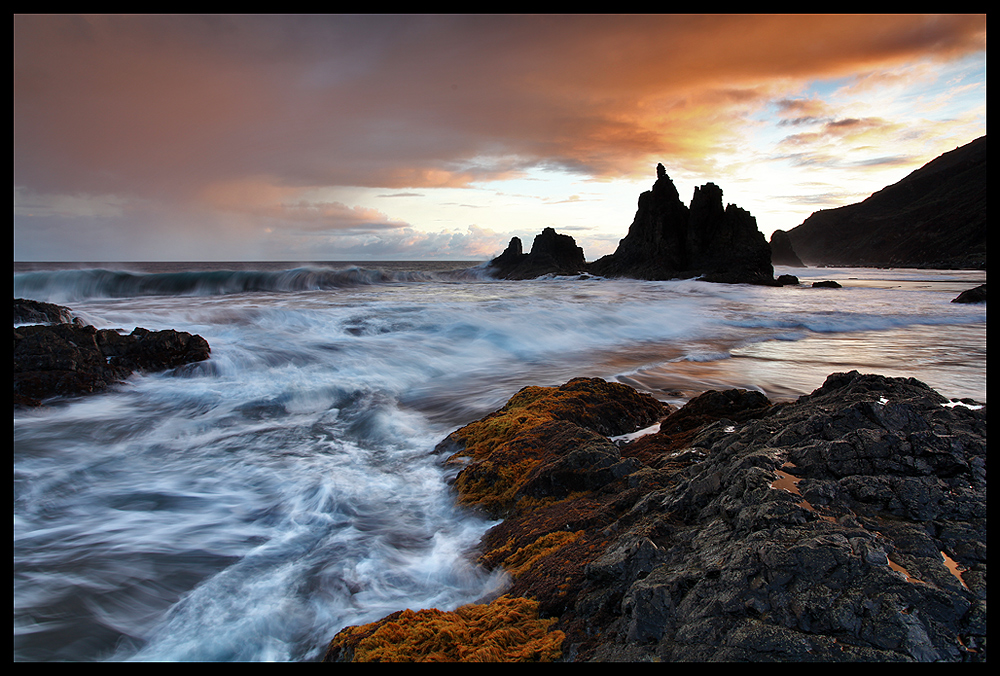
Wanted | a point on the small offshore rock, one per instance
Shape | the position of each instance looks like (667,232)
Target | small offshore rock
(551,254)
(976,295)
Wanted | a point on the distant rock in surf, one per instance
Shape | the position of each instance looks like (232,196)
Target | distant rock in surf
(668,240)
(65,357)
(551,254)
(976,295)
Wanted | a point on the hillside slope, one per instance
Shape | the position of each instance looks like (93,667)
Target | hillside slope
(933,218)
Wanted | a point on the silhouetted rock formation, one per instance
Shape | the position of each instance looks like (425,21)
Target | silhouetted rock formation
(849,525)
(69,358)
(668,240)
(551,253)
(933,218)
(782,252)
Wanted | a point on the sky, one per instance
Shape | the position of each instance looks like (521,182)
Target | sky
(413,137)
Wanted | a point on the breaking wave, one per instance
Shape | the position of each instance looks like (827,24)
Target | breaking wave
(74,285)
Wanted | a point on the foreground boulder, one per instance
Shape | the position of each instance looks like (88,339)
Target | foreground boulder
(849,525)
(69,358)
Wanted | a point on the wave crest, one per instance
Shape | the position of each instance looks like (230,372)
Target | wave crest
(71,285)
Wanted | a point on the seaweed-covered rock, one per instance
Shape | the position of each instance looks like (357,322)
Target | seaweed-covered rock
(849,525)
(562,429)
(505,630)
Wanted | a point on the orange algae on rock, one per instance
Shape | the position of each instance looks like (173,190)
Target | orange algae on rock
(505,630)
(524,558)
(506,446)
(537,463)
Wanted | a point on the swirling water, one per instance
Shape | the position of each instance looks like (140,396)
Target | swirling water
(250,506)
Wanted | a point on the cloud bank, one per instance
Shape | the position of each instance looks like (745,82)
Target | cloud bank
(260,127)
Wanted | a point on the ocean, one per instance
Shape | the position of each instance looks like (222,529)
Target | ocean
(248,507)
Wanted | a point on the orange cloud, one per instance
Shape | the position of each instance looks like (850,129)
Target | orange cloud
(800,111)
(164,106)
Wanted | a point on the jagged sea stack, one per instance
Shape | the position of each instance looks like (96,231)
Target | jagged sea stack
(551,253)
(668,240)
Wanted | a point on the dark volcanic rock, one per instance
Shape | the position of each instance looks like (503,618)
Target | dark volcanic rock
(69,359)
(826,284)
(976,295)
(36,312)
(933,218)
(551,253)
(782,252)
(564,429)
(668,240)
(656,244)
(849,525)
(818,531)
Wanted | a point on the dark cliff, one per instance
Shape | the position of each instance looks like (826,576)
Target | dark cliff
(933,218)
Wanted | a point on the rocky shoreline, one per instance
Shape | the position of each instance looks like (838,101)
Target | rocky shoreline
(58,355)
(849,525)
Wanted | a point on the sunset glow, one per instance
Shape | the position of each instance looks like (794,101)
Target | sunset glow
(307,138)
